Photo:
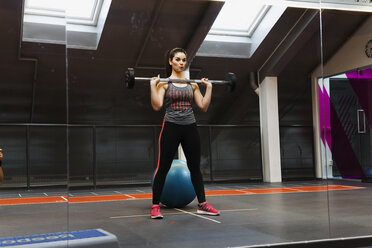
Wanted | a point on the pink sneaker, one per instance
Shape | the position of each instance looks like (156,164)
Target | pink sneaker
(155,212)
(206,208)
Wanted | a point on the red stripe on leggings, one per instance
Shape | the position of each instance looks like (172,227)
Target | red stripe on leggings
(157,167)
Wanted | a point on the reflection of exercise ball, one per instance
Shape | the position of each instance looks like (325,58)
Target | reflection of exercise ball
(178,190)
(368,173)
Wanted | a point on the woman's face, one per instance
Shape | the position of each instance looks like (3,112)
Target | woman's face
(178,62)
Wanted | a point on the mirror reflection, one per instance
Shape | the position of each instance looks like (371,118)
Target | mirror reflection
(32,122)
(115,151)
(344,109)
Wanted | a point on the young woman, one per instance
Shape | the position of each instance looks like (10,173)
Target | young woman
(179,126)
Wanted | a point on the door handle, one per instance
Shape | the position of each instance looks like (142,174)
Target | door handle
(361,118)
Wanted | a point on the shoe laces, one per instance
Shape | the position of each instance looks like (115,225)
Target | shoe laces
(157,208)
(207,206)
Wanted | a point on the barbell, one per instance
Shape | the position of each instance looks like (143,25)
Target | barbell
(229,82)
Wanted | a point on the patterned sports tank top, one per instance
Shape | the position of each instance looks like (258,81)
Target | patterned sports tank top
(178,104)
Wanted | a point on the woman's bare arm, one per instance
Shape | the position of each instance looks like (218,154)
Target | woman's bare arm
(203,101)
(157,93)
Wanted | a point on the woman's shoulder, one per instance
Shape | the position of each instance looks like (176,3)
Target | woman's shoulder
(194,86)
(163,85)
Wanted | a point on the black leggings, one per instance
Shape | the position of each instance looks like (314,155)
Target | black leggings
(170,137)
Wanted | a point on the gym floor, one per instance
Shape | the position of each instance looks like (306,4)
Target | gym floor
(251,214)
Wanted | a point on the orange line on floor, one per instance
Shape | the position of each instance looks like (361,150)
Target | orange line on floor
(325,188)
(224,192)
(103,198)
(271,190)
(141,196)
(100,198)
(32,200)
(342,187)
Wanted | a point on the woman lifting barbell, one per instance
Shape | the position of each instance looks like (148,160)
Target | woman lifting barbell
(179,126)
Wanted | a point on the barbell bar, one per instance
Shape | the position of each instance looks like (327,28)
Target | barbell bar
(229,82)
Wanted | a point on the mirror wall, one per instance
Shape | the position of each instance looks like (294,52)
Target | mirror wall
(32,121)
(114,131)
(344,86)
(289,55)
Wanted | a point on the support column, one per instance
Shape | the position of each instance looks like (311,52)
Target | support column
(270,140)
(181,154)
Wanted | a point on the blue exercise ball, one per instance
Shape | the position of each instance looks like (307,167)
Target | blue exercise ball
(178,189)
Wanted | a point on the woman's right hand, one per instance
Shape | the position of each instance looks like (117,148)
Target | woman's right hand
(157,93)
(154,81)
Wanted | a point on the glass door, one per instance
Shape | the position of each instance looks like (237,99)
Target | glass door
(350,118)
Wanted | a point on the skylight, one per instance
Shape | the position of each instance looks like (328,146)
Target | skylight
(74,23)
(242,25)
(239,17)
(239,28)
(45,7)
(83,12)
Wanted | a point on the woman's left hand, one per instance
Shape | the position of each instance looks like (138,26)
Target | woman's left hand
(206,83)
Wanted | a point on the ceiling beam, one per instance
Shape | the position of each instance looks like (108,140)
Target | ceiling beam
(154,19)
(203,28)
(272,62)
